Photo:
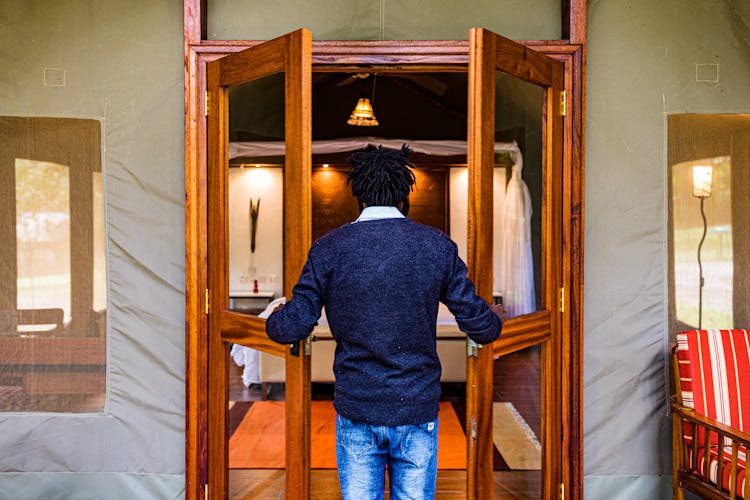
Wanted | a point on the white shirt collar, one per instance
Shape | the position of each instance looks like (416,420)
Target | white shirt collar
(376,213)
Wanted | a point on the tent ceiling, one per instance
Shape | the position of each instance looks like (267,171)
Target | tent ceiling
(407,105)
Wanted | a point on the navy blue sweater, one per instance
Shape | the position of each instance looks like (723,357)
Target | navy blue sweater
(380,282)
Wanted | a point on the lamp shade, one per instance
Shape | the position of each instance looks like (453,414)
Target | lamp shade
(702,180)
(363,115)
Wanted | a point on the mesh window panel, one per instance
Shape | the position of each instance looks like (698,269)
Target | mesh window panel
(52,253)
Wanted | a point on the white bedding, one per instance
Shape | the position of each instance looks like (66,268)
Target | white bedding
(446,325)
(445,318)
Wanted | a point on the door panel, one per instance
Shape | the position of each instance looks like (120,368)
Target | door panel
(498,69)
(277,238)
(250,332)
(520,333)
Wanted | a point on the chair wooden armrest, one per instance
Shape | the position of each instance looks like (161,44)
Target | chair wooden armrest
(691,461)
(689,415)
(50,316)
(48,321)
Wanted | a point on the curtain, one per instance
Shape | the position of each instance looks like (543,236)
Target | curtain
(516,272)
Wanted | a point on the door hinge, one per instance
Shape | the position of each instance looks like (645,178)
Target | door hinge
(208,296)
(562,300)
(562,491)
(473,429)
(205,491)
(472,349)
(308,344)
(205,103)
(563,103)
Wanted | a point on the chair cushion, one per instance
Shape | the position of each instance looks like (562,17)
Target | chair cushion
(714,467)
(715,374)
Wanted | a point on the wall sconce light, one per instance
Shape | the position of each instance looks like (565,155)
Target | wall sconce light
(702,180)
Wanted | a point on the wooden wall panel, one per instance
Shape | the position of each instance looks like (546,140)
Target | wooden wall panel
(333,204)
(429,201)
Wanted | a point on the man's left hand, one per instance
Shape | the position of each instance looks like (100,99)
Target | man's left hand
(500,311)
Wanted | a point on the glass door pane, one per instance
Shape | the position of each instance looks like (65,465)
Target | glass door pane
(256,192)
(517,205)
(255,217)
(517,424)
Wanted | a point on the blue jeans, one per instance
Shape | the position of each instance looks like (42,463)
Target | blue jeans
(363,451)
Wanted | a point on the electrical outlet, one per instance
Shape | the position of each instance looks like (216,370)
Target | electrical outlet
(707,73)
(54,77)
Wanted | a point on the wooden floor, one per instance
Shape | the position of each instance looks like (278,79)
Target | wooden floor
(267,484)
(516,380)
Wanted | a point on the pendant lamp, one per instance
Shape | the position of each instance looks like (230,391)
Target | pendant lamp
(363,115)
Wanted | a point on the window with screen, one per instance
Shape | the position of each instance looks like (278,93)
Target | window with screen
(53,302)
(709,211)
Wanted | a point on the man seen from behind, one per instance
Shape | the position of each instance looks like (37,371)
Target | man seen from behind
(380,279)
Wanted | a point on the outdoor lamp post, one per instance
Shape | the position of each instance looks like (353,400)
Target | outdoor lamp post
(702,179)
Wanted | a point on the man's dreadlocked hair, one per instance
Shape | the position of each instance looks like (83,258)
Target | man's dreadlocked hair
(381,176)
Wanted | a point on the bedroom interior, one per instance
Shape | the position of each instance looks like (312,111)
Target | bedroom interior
(428,111)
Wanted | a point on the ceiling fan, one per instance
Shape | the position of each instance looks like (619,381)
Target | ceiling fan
(352,78)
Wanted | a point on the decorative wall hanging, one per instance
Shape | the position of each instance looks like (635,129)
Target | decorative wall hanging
(254,209)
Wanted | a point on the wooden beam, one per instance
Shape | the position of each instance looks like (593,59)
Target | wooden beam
(194,22)
(196,321)
(196,362)
(574,21)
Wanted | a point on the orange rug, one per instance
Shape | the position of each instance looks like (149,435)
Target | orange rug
(258,441)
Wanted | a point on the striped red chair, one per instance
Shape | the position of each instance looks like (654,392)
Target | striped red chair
(711,413)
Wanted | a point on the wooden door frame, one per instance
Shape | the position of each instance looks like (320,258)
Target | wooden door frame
(432,54)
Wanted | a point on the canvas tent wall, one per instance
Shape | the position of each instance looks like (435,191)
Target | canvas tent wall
(641,67)
(124,66)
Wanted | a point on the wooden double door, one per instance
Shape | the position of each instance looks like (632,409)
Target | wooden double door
(286,64)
